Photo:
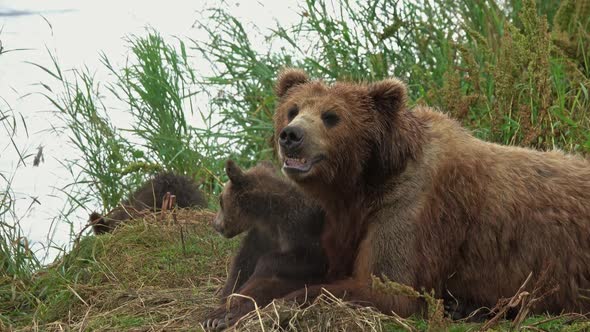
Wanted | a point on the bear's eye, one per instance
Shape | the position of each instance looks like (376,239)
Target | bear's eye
(293,111)
(221,202)
(330,119)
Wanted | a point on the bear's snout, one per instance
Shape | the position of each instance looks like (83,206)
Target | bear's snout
(291,137)
(218,224)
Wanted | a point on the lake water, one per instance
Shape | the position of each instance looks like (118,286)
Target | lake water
(76,31)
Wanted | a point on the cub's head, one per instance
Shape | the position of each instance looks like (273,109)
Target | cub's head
(327,134)
(244,197)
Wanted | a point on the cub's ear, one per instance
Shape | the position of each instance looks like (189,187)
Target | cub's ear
(234,172)
(389,96)
(94,218)
(99,226)
(289,78)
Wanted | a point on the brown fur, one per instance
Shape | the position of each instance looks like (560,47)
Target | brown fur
(149,197)
(413,196)
(282,250)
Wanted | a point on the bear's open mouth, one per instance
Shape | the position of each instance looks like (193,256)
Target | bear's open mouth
(301,165)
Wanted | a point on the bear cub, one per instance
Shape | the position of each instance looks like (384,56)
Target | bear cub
(150,197)
(283,226)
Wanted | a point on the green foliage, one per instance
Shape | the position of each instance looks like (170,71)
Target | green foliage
(497,69)
(244,102)
(17,263)
(17,260)
(572,32)
(154,86)
(103,151)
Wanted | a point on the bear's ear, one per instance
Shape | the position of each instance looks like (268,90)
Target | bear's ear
(289,78)
(99,225)
(389,96)
(94,218)
(234,172)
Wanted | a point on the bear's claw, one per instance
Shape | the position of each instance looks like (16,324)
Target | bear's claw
(218,321)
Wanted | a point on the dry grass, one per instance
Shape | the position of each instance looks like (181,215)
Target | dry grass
(161,273)
(327,313)
(144,309)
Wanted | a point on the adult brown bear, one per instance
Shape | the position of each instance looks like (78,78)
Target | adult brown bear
(413,196)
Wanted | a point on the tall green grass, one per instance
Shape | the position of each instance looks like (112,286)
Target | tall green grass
(153,90)
(504,69)
(514,72)
(17,261)
(102,150)
(156,87)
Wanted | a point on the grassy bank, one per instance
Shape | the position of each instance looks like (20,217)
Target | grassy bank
(148,277)
(514,72)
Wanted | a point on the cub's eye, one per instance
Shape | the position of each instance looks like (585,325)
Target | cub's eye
(293,111)
(330,119)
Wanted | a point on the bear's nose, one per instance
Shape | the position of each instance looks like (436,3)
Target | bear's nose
(291,137)
(217,223)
